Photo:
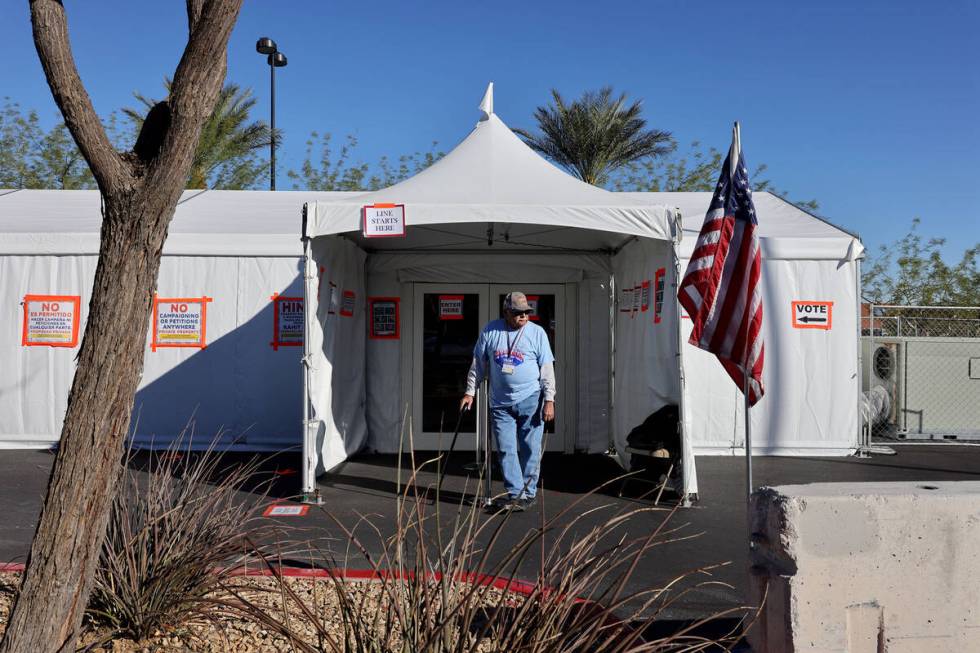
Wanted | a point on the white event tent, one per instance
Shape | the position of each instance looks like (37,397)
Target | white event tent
(489,217)
(493,214)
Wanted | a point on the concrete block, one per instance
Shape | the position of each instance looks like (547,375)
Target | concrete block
(866,567)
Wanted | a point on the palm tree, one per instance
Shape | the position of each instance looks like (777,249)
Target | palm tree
(595,135)
(226,153)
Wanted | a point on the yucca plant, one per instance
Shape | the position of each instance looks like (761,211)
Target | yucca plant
(173,538)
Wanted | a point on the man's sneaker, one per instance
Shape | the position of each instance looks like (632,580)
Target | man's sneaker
(526,502)
(505,502)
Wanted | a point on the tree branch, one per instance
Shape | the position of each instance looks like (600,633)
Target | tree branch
(50,29)
(196,82)
(194,8)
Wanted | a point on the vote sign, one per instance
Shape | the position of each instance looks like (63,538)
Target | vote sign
(813,315)
(384,221)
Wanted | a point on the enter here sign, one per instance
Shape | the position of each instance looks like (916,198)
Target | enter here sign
(813,315)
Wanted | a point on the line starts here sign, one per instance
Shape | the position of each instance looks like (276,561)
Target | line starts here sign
(813,315)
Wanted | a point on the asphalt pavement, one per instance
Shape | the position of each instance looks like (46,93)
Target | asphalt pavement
(715,527)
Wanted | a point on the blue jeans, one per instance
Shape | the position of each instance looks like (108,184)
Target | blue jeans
(517,432)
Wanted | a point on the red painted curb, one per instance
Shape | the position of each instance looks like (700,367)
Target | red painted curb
(519,586)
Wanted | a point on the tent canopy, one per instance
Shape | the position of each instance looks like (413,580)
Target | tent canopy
(493,177)
(206,222)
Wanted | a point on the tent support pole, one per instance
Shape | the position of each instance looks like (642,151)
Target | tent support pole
(688,473)
(611,344)
(310,494)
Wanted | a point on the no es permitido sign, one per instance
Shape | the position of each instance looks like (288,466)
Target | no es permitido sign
(384,221)
(51,320)
(180,322)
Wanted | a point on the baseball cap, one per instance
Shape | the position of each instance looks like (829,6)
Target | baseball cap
(516,301)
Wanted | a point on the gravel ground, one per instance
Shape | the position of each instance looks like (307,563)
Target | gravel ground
(226,633)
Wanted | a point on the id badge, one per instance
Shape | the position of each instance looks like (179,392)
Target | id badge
(507,368)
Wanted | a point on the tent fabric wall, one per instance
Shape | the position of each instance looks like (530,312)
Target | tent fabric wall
(594,376)
(337,344)
(646,375)
(36,380)
(811,376)
(237,387)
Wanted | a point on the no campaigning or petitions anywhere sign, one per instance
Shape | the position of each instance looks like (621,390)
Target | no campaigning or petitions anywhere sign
(383,220)
(180,322)
(813,315)
(51,320)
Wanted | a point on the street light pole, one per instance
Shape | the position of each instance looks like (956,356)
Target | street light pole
(276,59)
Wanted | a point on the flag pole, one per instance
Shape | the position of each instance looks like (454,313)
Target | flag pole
(748,435)
(733,157)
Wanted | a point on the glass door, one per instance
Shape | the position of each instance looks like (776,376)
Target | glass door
(448,320)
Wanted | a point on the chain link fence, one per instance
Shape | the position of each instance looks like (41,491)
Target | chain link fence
(921,372)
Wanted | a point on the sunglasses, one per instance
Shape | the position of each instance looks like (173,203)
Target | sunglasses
(521,312)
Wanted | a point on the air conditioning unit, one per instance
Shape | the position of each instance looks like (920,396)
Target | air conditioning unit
(883,369)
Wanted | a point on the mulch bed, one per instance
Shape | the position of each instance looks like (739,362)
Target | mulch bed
(224,632)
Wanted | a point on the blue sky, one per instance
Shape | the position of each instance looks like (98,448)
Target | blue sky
(869,107)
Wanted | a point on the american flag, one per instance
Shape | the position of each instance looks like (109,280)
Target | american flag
(721,289)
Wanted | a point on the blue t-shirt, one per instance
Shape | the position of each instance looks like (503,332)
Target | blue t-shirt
(525,349)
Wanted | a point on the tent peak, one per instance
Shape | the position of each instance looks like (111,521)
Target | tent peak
(486,104)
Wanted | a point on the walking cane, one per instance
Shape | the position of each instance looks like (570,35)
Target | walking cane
(452,445)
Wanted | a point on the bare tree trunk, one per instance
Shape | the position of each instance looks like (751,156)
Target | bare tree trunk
(88,463)
(139,193)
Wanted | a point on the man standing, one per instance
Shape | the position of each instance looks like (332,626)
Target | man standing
(517,355)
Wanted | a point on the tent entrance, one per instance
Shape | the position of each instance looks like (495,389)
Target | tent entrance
(447,321)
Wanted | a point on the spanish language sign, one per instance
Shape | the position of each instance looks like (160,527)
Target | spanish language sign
(384,220)
(179,322)
(51,320)
(384,317)
(287,322)
(813,315)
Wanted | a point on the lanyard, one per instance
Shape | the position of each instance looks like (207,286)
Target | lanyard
(510,347)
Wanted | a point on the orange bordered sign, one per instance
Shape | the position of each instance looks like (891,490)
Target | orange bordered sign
(51,320)
(180,322)
(288,317)
(813,315)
